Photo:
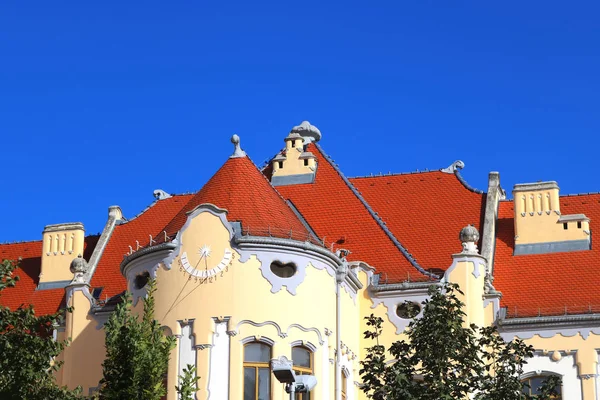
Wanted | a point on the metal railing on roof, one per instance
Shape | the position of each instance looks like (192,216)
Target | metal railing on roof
(528,312)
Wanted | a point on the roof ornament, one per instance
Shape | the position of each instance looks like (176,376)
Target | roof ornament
(160,194)
(79,268)
(469,236)
(237,152)
(452,168)
(309,132)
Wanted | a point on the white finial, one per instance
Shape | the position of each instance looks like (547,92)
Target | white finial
(237,152)
(455,166)
(309,132)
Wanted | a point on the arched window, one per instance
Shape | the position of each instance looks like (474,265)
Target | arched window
(257,373)
(533,383)
(303,365)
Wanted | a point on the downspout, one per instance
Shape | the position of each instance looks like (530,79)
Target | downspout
(340,276)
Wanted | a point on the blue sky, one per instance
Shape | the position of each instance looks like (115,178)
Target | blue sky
(101,103)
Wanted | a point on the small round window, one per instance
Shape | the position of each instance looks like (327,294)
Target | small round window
(141,280)
(408,310)
(283,270)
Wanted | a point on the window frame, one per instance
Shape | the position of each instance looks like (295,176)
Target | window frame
(529,376)
(299,370)
(256,365)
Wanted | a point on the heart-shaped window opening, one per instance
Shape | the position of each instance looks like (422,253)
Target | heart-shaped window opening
(283,270)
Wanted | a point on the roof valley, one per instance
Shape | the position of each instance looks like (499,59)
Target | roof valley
(374,215)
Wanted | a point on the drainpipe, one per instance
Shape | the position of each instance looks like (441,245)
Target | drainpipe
(340,276)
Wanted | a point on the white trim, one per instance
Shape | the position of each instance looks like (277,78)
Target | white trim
(187,349)
(565,367)
(218,375)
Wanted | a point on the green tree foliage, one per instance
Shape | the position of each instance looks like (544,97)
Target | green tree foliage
(28,350)
(442,358)
(187,385)
(137,353)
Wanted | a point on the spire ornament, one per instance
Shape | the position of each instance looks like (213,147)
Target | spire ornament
(237,152)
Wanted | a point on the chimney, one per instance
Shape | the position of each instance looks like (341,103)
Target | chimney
(295,165)
(61,244)
(539,225)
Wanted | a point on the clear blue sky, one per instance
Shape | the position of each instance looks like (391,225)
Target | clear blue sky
(103,102)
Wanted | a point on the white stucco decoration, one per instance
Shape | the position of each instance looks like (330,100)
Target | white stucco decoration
(187,348)
(567,368)
(218,379)
(205,207)
(391,300)
(290,256)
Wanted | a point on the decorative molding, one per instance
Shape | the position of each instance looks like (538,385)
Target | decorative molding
(160,194)
(452,168)
(303,329)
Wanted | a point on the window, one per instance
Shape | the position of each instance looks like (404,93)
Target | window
(408,310)
(283,270)
(257,373)
(306,162)
(280,164)
(293,143)
(565,226)
(344,386)
(531,386)
(578,224)
(303,365)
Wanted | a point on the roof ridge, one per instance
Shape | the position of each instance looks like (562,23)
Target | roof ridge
(20,242)
(375,216)
(456,173)
(393,174)
(127,220)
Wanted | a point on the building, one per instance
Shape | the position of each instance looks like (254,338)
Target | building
(287,260)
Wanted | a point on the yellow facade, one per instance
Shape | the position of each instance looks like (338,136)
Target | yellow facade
(221,288)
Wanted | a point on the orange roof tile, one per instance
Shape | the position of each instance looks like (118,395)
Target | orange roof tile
(425,211)
(335,213)
(548,284)
(151,221)
(107,275)
(25,293)
(249,198)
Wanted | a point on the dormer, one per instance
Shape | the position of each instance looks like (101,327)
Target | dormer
(539,225)
(61,244)
(295,165)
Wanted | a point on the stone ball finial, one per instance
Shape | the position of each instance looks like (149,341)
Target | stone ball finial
(469,236)
(78,265)
(79,268)
(237,151)
(308,131)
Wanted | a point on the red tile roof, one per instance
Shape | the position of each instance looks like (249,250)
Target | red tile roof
(335,213)
(152,221)
(548,284)
(25,293)
(425,211)
(107,275)
(249,198)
